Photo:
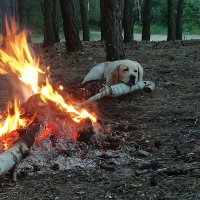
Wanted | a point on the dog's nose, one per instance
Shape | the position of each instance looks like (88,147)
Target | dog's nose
(132,78)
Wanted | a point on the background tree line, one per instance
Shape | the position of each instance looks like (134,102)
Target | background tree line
(191,17)
(116,19)
(159,14)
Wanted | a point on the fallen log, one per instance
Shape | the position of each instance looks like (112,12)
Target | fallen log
(120,89)
(20,150)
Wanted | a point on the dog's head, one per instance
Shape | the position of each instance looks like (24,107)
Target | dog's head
(129,72)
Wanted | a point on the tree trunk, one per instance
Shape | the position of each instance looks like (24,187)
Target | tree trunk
(85,19)
(128,20)
(138,5)
(49,34)
(15,8)
(114,40)
(179,20)
(146,20)
(55,25)
(22,13)
(171,21)
(8,9)
(72,39)
(103,20)
(23,17)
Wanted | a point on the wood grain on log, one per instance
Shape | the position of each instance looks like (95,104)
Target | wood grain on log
(13,156)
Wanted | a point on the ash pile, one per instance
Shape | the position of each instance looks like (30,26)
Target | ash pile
(91,146)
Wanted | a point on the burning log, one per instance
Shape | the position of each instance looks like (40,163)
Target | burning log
(120,89)
(20,150)
(19,140)
(85,135)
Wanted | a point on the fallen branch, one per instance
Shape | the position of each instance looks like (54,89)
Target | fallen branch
(120,89)
(20,150)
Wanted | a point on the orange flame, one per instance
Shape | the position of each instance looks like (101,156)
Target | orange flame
(47,93)
(16,58)
(12,122)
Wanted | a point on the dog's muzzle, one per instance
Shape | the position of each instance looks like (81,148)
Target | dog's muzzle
(132,79)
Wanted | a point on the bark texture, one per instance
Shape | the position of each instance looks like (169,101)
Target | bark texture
(55,25)
(8,9)
(171,20)
(72,39)
(147,20)
(114,40)
(49,31)
(128,20)
(103,20)
(22,13)
(179,20)
(85,19)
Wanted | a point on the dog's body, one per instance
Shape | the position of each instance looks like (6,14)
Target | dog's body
(120,71)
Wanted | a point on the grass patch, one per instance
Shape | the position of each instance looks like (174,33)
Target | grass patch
(155,29)
(188,29)
(191,29)
(94,35)
(138,28)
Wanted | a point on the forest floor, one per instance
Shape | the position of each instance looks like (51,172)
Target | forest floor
(165,124)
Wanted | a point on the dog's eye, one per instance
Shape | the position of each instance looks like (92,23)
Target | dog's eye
(125,69)
(135,70)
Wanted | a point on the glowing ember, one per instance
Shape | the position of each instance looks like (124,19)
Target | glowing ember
(16,59)
(8,139)
(75,136)
(48,131)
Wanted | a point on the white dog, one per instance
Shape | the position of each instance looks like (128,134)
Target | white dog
(120,71)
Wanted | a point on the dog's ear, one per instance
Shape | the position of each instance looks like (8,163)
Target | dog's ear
(114,76)
(140,73)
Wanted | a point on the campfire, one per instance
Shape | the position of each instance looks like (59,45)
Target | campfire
(18,63)
(40,109)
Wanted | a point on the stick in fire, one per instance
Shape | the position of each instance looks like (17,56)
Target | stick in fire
(20,150)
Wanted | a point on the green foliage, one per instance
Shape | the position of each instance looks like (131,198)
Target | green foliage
(34,15)
(159,12)
(159,16)
(155,29)
(192,12)
(94,35)
(158,29)
(191,19)
(94,13)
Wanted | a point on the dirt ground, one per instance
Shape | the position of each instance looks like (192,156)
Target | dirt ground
(164,124)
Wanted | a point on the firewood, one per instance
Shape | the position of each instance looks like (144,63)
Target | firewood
(13,156)
(120,89)
(45,111)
